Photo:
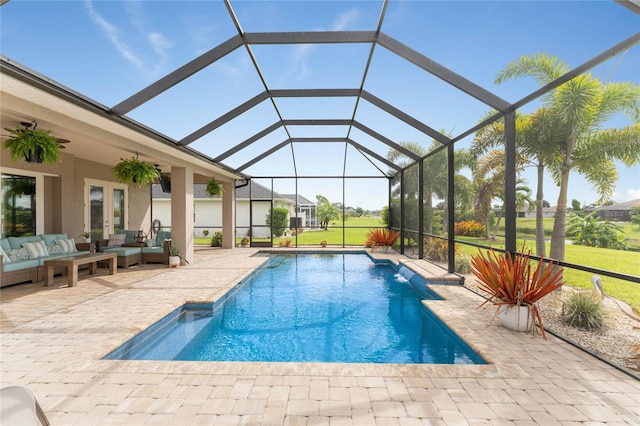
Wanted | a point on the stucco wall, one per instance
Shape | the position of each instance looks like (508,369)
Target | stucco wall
(64,193)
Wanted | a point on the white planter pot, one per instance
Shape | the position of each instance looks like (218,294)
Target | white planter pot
(174,261)
(517,318)
(87,240)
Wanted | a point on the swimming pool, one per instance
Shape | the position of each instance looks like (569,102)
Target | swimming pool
(309,308)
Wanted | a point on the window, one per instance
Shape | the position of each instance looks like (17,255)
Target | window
(18,205)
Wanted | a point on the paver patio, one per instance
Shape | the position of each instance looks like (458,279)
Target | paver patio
(52,340)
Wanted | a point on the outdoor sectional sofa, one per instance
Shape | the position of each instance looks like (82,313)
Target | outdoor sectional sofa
(152,250)
(22,261)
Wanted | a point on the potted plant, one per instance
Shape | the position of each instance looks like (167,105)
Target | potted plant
(86,236)
(323,243)
(175,256)
(515,284)
(383,237)
(244,241)
(214,188)
(34,146)
(134,171)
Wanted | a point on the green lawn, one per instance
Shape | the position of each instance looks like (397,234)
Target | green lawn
(526,227)
(626,262)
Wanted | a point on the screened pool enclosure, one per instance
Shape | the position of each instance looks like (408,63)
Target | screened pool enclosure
(364,104)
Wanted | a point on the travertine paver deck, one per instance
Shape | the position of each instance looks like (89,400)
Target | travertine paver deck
(52,340)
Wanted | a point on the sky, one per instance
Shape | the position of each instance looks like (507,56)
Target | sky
(109,50)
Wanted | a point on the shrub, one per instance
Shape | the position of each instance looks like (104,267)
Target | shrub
(280,215)
(470,228)
(286,243)
(205,232)
(381,237)
(216,240)
(463,263)
(583,311)
(436,249)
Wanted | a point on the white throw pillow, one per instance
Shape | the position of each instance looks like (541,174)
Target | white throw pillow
(116,240)
(36,249)
(68,246)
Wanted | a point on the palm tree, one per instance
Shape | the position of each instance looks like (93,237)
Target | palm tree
(579,109)
(535,144)
(488,174)
(434,182)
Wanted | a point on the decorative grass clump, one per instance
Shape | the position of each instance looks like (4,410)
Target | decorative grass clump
(581,310)
(463,263)
(382,237)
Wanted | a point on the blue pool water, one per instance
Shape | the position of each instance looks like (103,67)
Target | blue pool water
(306,308)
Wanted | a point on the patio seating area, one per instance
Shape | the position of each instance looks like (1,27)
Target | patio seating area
(53,339)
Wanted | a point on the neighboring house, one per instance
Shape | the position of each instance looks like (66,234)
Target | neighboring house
(252,201)
(306,211)
(546,212)
(619,212)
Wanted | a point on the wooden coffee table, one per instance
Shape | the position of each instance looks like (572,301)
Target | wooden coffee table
(72,263)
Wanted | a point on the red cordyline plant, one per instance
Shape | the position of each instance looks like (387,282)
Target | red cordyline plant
(513,280)
(382,237)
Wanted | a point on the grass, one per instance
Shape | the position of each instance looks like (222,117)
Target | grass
(526,226)
(626,262)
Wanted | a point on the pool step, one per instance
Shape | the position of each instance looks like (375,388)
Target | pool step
(433,274)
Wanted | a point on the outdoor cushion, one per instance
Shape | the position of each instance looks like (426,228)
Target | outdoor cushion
(36,249)
(122,251)
(67,245)
(17,255)
(50,239)
(152,250)
(150,242)
(16,242)
(130,236)
(4,243)
(54,249)
(161,236)
(19,265)
(4,255)
(116,240)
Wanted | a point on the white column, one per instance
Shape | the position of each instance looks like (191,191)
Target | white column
(228,215)
(182,210)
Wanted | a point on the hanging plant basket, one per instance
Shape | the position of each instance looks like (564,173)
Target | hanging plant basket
(135,172)
(214,188)
(33,146)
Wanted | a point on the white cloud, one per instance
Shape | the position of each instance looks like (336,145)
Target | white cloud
(344,21)
(111,32)
(160,45)
(632,194)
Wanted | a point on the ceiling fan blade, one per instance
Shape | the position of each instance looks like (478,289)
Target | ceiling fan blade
(63,141)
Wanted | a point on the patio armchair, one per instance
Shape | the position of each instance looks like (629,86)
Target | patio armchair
(157,249)
(18,406)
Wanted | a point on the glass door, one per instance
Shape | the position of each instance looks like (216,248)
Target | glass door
(105,208)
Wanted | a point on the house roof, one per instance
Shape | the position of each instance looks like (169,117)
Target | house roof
(620,206)
(301,200)
(257,192)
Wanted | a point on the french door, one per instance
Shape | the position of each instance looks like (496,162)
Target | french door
(105,208)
